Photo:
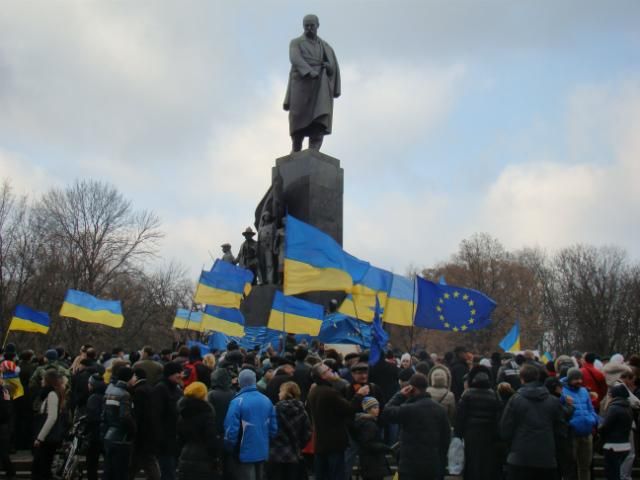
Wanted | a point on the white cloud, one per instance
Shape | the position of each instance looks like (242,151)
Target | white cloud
(557,203)
(25,177)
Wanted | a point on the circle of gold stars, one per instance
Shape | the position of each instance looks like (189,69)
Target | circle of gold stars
(447,297)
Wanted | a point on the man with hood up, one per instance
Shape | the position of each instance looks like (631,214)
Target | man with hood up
(440,390)
(530,423)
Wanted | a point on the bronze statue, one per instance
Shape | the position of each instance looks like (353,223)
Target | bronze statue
(227,256)
(266,241)
(248,254)
(314,81)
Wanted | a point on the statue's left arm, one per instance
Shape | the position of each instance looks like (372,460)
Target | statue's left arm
(333,70)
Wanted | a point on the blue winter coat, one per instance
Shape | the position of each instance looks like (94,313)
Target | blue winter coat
(584,418)
(250,422)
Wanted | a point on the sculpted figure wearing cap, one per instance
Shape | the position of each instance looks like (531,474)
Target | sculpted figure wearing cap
(248,254)
(314,81)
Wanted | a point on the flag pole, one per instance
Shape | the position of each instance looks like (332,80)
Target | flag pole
(6,336)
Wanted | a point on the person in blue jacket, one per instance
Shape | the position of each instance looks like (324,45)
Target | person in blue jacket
(250,422)
(581,423)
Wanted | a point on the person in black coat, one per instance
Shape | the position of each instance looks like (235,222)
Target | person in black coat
(385,375)
(197,435)
(425,431)
(615,430)
(302,372)
(95,402)
(143,457)
(459,369)
(5,417)
(166,394)
(283,374)
(531,422)
(368,435)
(477,417)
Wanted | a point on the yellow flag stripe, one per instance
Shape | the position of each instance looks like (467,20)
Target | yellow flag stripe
(291,323)
(101,317)
(214,296)
(22,325)
(399,312)
(301,277)
(223,326)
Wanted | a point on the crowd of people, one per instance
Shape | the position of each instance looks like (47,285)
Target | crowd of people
(307,410)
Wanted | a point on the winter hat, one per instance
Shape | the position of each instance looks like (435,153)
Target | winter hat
(196,390)
(598,364)
(246,378)
(405,357)
(619,391)
(172,368)
(368,403)
(485,362)
(51,355)
(11,348)
(574,374)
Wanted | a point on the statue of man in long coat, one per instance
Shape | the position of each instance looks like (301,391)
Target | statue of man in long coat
(314,81)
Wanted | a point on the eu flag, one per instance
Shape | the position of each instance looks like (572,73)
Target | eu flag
(447,307)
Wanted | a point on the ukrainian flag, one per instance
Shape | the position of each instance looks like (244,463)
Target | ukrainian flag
(362,301)
(188,320)
(294,315)
(26,319)
(511,342)
(224,285)
(87,308)
(224,320)
(547,357)
(316,262)
(400,308)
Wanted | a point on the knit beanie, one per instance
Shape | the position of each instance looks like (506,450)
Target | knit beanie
(368,403)
(619,391)
(172,368)
(196,390)
(574,374)
(51,355)
(246,378)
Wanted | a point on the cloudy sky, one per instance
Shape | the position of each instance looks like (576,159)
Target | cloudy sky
(520,119)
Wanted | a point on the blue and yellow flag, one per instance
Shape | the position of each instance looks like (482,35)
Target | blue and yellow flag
(224,320)
(379,337)
(547,357)
(188,320)
(26,319)
(362,300)
(400,307)
(511,341)
(224,285)
(342,329)
(316,262)
(87,308)
(294,315)
(447,307)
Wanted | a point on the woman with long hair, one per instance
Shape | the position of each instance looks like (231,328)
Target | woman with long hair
(50,427)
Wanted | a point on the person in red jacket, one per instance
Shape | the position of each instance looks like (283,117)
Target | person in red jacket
(593,380)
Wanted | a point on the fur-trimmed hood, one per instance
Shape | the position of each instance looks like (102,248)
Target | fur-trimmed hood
(439,377)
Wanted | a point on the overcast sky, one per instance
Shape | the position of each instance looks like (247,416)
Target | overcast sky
(520,119)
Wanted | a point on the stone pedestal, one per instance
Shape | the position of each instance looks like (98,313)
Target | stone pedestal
(308,185)
(312,188)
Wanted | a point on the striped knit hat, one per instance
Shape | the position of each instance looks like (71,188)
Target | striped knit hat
(368,403)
